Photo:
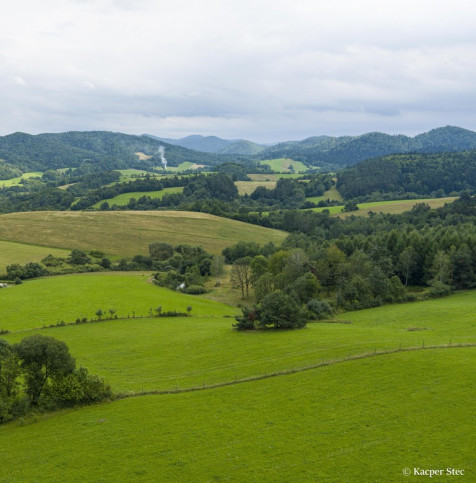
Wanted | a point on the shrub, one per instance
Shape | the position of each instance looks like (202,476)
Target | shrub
(319,309)
(194,290)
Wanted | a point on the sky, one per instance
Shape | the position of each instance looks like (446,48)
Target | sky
(263,70)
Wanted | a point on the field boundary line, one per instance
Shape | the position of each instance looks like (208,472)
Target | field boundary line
(365,355)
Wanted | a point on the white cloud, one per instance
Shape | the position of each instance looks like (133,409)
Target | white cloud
(19,81)
(262,68)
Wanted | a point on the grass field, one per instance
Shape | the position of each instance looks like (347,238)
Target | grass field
(41,302)
(281,165)
(130,233)
(16,181)
(11,252)
(357,421)
(215,353)
(353,420)
(124,198)
(331,194)
(391,207)
(185,166)
(247,187)
(272,177)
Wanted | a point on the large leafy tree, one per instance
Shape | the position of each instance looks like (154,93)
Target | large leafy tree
(43,359)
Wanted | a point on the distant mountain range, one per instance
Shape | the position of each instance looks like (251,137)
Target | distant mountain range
(213,144)
(331,152)
(326,151)
(103,150)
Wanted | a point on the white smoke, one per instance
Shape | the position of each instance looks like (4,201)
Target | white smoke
(163,159)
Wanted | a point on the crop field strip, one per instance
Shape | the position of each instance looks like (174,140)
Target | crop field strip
(13,252)
(391,207)
(124,198)
(135,229)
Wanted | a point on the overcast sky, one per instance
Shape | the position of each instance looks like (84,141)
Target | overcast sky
(264,70)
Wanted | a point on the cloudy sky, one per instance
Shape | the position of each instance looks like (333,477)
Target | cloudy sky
(264,70)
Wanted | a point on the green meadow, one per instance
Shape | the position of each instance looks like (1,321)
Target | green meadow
(356,421)
(12,252)
(297,405)
(96,230)
(281,165)
(136,353)
(390,207)
(46,301)
(17,181)
(124,198)
(272,177)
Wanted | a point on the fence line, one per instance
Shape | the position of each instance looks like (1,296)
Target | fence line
(293,370)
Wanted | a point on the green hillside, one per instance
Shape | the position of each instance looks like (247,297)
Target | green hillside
(135,230)
(124,198)
(11,252)
(357,421)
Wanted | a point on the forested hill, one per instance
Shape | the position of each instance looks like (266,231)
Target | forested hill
(437,174)
(344,151)
(106,150)
(213,144)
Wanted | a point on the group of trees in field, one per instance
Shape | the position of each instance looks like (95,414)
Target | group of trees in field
(182,267)
(39,373)
(78,261)
(360,262)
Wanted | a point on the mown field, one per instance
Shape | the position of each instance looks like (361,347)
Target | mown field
(148,353)
(247,187)
(281,165)
(272,177)
(390,207)
(326,414)
(124,198)
(356,421)
(135,230)
(11,252)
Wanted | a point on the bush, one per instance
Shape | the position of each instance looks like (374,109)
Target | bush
(247,320)
(194,290)
(319,309)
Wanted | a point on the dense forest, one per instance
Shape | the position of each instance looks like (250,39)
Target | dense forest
(410,176)
(104,150)
(358,263)
(20,152)
(338,152)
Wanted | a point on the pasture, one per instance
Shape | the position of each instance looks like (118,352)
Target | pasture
(352,419)
(387,207)
(272,177)
(11,252)
(135,230)
(17,181)
(281,165)
(46,301)
(124,198)
(247,187)
(357,421)
(148,353)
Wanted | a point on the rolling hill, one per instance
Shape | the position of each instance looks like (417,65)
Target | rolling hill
(135,230)
(343,151)
(104,150)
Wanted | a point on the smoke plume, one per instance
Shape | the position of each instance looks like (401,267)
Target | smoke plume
(163,159)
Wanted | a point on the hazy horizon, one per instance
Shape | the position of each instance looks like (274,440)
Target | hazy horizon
(266,71)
